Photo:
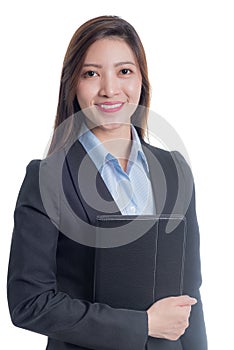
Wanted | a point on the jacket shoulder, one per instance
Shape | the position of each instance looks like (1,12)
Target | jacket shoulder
(29,190)
(168,158)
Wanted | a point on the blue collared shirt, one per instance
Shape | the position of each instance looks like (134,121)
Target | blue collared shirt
(131,190)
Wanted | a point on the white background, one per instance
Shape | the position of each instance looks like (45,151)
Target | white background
(189,45)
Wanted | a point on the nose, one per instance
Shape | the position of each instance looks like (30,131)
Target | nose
(110,85)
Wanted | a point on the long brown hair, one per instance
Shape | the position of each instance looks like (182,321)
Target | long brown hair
(91,31)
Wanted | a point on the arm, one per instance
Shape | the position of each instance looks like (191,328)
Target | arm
(195,336)
(181,317)
(36,304)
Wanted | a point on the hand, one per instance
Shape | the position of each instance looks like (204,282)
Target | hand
(168,318)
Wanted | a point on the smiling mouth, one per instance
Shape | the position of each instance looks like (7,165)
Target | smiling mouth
(110,107)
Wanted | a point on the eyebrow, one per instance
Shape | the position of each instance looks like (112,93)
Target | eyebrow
(116,64)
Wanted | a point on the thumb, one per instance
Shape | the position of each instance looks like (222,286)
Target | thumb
(186,300)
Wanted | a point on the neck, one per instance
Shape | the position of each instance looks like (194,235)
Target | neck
(117,140)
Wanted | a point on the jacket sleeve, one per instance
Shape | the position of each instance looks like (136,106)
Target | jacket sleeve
(36,304)
(195,336)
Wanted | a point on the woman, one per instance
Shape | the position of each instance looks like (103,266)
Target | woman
(99,130)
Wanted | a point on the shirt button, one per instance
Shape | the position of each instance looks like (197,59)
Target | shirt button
(133,209)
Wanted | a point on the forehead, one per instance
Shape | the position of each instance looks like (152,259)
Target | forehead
(112,50)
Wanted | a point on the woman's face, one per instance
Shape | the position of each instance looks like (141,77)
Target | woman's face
(109,85)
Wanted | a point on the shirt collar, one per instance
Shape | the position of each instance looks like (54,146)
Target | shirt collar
(93,146)
(136,150)
(99,153)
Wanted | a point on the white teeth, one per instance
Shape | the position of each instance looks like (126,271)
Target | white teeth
(117,105)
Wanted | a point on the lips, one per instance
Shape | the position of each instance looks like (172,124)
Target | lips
(110,107)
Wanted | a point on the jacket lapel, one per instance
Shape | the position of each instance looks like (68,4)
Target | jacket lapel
(163,177)
(88,184)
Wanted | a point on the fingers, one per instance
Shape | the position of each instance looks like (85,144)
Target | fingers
(169,317)
(185,300)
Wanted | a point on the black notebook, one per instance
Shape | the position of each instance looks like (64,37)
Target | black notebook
(147,268)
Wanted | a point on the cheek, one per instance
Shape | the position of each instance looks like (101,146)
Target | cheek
(133,89)
(85,93)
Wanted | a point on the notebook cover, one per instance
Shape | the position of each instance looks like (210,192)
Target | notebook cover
(149,268)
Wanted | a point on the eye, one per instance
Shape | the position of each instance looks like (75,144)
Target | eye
(125,71)
(90,74)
